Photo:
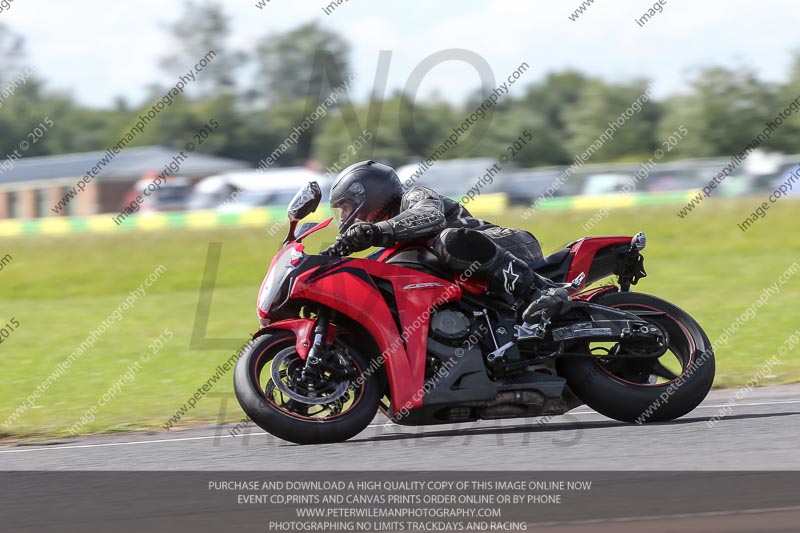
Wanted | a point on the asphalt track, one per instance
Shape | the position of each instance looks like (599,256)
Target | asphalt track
(762,433)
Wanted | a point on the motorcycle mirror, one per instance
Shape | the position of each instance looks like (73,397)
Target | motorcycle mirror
(304,202)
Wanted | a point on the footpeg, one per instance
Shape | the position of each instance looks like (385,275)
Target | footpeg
(532,331)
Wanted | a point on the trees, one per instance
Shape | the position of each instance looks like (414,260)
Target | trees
(204,27)
(12,54)
(293,65)
(787,138)
(600,104)
(22,105)
(723,110)
(295,71)
(544,148)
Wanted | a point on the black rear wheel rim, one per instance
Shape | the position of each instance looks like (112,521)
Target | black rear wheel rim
(656,372)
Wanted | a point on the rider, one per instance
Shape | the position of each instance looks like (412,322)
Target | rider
(372,210)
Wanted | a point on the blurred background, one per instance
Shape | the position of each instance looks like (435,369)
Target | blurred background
(260,90)
(76,79)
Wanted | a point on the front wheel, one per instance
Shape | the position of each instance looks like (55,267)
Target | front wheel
(646,390)
(283,398)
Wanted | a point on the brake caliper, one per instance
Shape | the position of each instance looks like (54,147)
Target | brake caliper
(642,339)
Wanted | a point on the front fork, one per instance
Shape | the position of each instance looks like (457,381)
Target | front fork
(320,335)
(316,354)
(322,358)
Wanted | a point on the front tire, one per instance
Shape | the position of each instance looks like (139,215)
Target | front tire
(289,419)
(640,392)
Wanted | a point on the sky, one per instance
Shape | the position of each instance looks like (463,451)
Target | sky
(97,50)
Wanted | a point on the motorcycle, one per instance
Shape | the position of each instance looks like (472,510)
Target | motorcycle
(343,337)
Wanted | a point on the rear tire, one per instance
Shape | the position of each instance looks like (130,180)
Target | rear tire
(280,421)
(629,401)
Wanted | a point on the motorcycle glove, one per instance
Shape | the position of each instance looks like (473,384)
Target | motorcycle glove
(338,248)
(361,236)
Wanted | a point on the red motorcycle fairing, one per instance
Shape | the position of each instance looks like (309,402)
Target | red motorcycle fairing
(294,247)
(474,286)
(349,287)
(303,329)
(322,225)
(583,251)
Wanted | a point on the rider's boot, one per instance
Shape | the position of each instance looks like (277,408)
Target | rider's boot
(506,274)
(548,303)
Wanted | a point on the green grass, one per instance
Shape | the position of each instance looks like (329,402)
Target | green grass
(61,288)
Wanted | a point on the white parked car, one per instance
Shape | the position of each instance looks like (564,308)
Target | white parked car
(607,184)
(236,192)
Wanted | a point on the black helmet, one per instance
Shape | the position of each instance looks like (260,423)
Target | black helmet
(367,191)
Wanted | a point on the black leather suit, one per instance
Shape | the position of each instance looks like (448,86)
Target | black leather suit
(504,255)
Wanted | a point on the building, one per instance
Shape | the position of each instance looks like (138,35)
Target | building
(33,186)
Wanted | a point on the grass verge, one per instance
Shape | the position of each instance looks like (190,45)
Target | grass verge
(60,289)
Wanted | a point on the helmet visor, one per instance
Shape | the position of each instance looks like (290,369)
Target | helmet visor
(346,205)
(343,213)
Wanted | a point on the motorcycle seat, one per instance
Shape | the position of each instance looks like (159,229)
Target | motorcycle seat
(554,259)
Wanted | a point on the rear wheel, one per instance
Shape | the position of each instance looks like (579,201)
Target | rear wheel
(305,407)
(646,390)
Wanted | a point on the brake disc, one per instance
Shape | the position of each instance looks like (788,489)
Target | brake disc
(282,357)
